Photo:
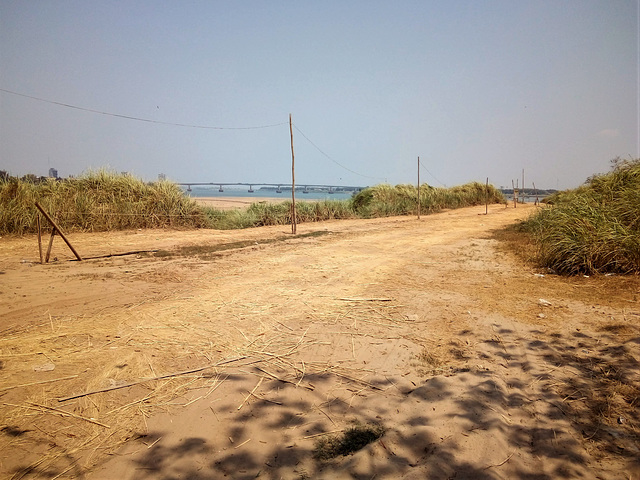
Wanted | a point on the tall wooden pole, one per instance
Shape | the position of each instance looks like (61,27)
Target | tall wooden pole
(486,198)
(40,239)
(523,192)
(293,181)
(418,188)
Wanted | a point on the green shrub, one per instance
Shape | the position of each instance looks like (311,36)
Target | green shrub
(594,228)
(97,201)
(385,200)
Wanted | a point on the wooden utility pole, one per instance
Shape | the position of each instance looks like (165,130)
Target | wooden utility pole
(523,192)
(486,198)
(293,181)
(418,188)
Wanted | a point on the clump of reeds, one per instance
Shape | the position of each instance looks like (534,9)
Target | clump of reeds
(386,200)
(594,228)
(101,201)
(97,201)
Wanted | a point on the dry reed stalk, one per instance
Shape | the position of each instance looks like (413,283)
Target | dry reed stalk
(251,392)
(36,406)
(38,383)
(322,434)
(175,374)
(284,380)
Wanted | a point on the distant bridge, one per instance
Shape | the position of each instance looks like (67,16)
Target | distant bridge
(305,188)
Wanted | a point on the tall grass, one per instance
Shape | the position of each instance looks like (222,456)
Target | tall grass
(97,201)
(385,200)
(103,200)
(594,228)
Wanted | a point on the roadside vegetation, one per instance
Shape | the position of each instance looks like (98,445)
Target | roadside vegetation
(594,228)
(97,201)
(102,201)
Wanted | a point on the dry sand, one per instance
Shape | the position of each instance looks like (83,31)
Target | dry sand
(428,328)
(235,203)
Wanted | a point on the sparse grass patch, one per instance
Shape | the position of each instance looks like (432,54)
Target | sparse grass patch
(348,442)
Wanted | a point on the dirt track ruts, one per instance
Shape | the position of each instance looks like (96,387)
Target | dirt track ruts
(427,327)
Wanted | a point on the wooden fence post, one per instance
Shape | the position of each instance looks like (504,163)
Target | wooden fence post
(39,238)
(486,198)
(56,228)
(418,188)
(293,182)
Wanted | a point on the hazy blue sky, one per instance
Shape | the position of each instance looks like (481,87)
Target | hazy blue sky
(475,88)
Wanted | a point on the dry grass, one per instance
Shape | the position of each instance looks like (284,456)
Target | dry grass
(139,350)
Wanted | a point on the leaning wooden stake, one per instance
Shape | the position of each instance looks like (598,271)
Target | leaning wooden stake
(486,198)
(293,181)
(53,234)
(39,238)
(56,228)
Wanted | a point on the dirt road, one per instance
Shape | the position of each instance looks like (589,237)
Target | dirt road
(232,354)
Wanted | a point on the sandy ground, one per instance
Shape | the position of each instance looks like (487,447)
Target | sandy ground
(211,354)
(236,203)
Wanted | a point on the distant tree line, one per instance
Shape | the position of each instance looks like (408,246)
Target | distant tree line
(29,178)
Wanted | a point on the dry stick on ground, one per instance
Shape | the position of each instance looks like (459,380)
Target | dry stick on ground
(501,463)
(366,299)
(36,406)
(186,372)
(251,392)
(275,377)
(38,383)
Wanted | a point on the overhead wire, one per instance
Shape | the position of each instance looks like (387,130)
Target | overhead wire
(432,175)
(187,125)
(139,119)
(329,157)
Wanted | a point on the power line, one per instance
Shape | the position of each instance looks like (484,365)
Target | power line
(328,157)
(138,119)
(432,175)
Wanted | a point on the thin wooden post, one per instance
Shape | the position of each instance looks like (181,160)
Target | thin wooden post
(53,234)
(418,188)
(486,198)
(524,193)
(535,192)
(56,228)
(39,238)
(515,195)
(293,181)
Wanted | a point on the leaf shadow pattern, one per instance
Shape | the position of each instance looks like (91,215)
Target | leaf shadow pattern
(514,420)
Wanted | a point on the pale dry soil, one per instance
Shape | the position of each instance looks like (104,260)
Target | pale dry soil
(229,354)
